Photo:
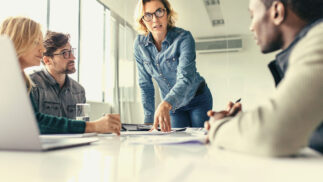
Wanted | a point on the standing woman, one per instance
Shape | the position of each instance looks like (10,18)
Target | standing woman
(27,38)
(167,54)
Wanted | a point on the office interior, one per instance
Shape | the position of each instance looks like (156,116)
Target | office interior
(104,50)
(102,31)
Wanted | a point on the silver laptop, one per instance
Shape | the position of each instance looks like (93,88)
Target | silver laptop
(18,125)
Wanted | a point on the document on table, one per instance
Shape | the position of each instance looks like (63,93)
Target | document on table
(167,140)
(137,133)
(196,131)
(130,133)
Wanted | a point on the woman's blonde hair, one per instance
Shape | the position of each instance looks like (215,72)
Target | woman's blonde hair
(139,13)
(23,32)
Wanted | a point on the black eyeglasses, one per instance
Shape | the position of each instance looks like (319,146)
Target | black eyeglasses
(158,13)
(66,54)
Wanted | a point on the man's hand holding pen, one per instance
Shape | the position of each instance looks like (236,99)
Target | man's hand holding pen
(232,110)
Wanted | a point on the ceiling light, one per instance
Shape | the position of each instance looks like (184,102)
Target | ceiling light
(214,11)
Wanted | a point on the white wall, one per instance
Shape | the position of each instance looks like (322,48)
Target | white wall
(236,75)
(229,76)
(124,8)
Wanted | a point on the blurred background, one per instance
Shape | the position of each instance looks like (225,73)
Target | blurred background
(102,33)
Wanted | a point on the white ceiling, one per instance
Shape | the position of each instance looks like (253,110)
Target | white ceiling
(192,15)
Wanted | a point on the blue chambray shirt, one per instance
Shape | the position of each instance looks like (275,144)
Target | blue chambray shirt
(173,68)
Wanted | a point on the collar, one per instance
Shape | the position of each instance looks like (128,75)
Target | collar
(171,34)
(51,79)
(149,39)
(283,57)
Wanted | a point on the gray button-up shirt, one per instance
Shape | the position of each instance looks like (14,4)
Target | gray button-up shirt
(53,100)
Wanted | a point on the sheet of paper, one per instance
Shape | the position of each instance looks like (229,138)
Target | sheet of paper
(134,133)
(167,140)
(196,131)
(137,133)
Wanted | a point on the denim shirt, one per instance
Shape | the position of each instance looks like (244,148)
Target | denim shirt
(173,68)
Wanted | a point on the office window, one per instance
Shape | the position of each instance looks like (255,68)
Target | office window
(91,49)
(64,17)
(126,64)
(110,58)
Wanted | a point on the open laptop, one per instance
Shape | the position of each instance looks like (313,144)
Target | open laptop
(18,125)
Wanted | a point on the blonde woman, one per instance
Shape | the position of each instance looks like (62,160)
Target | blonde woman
(27,38)
(167,54)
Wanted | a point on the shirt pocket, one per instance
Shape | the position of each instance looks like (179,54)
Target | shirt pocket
(51,108)
(75,96)
(172,63)
(71,111)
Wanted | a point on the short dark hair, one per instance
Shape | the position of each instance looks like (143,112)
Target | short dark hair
(54,41)
(308,10)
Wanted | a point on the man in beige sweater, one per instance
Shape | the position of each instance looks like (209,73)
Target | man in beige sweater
(283,124)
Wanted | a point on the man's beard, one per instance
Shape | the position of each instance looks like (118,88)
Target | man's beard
(69,71)
(275,44)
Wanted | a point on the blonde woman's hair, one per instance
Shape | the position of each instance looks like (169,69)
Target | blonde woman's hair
(23,32)
(139,13)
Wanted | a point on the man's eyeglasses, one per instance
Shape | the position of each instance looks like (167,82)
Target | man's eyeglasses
(66,54)
(158,13)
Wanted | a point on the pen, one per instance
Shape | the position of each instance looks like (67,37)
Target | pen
(238,100)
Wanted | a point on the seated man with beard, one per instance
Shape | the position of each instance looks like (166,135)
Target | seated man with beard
(55,92)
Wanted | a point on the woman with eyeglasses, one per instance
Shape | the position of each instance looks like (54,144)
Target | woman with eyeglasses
(27,38)
(167,54)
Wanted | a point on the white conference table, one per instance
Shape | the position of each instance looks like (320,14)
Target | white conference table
(113,158)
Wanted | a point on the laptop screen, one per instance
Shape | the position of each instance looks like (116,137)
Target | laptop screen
(18,129)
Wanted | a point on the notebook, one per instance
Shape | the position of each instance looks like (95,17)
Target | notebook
(18,125)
